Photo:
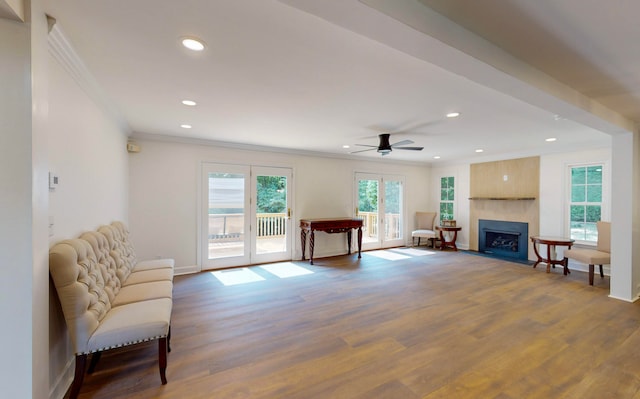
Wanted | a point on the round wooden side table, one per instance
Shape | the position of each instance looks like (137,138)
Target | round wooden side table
(552,243)
(451,243)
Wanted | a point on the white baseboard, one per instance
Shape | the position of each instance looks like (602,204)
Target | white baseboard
(186,270)
(63,382)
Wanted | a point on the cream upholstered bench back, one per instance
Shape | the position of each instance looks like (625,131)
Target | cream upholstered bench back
(101,308)
(80,284)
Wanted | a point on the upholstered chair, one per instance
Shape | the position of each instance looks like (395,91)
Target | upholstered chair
(599,256)
(424,228)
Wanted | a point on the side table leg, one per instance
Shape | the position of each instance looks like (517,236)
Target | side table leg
(349,242)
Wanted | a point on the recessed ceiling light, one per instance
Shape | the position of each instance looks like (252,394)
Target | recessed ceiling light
(550,139)
(189,103)
(453,114)
(192,43)
(185,126)
(436,157)
(345,146)
(479,150)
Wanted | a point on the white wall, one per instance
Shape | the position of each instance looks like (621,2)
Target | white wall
(87,150)
(164,193)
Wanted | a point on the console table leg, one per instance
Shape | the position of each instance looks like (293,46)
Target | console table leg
(349,242)
(303,240)
(311,244)
(359,242)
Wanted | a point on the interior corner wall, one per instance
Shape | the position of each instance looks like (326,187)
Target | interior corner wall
(461,173)
(87,151)
(16,285)
(625,226)
(164,190)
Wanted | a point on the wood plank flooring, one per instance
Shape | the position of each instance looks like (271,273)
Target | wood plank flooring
(443,325)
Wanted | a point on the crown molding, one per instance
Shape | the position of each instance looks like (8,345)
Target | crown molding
(64,53)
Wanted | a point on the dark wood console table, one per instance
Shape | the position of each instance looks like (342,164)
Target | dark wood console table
(337,225)
(551,243)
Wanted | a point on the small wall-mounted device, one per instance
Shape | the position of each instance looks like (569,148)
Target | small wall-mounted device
(53,181)
(132,147)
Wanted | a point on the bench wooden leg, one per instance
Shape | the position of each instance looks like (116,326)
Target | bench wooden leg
(590,274)
(95,358)
(162,359)
(81,362)
(601,272)
(169,340)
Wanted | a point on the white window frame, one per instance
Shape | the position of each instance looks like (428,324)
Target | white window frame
(604,204)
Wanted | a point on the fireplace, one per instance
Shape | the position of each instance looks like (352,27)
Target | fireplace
(503,239)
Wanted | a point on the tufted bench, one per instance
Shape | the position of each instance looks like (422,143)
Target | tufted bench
(109,299)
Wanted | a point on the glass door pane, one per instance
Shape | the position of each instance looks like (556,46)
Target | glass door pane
(393,223)
(226,222)
(368,206)
(271,210)
(380,204)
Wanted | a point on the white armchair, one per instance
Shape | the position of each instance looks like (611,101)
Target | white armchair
(424,228)
(599,256)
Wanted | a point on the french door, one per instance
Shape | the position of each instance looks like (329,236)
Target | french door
(380,204)
(245,215)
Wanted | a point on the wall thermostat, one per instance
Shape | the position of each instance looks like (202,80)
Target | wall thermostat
(53,181)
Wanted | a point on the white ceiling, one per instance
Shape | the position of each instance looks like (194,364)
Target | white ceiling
(311,76)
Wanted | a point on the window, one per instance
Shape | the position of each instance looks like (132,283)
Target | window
(585,206)
(447,197)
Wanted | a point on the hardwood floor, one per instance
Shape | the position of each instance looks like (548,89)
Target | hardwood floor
(443,325)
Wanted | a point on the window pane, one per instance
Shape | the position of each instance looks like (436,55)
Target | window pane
(577,213)
(368,196)
(594,175)
(443,182)
(450,194)
(450,182)
(443,194)
(446,211)
(593,213)
(578,176)
(594,193)
(577,231)
(578,193)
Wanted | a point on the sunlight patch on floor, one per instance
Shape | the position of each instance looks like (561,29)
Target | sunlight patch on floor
(414,252)
(286,269)
(236,276)
(388,255)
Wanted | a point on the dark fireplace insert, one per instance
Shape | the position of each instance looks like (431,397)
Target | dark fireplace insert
(503,239)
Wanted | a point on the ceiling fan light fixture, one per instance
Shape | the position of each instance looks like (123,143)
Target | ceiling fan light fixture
(453,114)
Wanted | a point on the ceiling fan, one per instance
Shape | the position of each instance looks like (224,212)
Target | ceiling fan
(384,147)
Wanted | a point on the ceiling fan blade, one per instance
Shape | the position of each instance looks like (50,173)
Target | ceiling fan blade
(367,145)
(368,149)
(409,148)
(403,142)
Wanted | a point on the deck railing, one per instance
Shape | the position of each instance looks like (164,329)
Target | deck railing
(231,225)
(392,225)
(225,226)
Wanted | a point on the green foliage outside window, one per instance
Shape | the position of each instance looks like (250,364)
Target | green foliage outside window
(368,196)
(392,191)
(447,196)
(272,194)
